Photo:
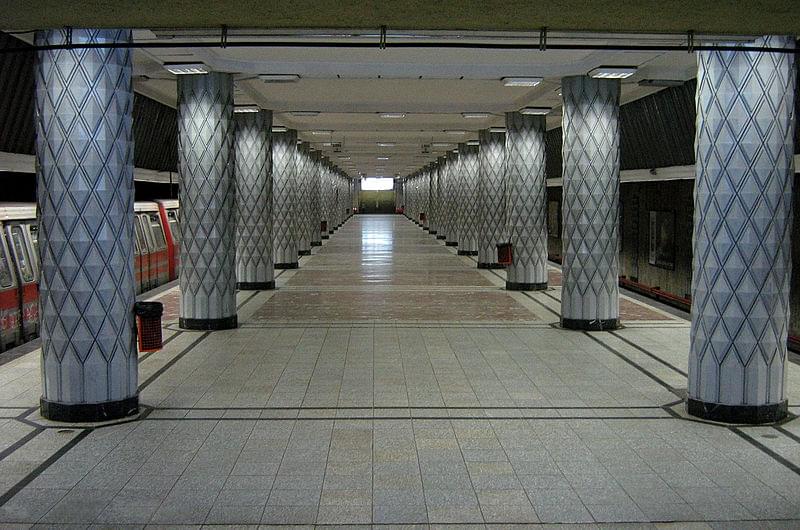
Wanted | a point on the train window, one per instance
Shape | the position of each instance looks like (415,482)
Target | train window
(172,218)
(6,279)
(148,236)
(34,230)
(157,231)
(21,252)
(140,236)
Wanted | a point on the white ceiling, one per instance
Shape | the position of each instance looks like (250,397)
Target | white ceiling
(350,87)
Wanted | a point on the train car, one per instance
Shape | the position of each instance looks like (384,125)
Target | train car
(155,263)
(19,275)
(168,210)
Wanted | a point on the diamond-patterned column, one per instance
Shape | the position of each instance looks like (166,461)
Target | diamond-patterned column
(527,196)
(452,184)
(303,190)
(434,196)
(284,199)
(253,158)
(315,198)
(84,155)
(491,186)
(742,234)
(469,212)
(590,151)
(208,201)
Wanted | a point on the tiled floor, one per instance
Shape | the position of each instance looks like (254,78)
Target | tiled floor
(388,381)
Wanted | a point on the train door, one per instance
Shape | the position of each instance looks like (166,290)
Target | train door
(160,247)
(9,299)
(169,219)
(22,253)
(144,255)
(137,264)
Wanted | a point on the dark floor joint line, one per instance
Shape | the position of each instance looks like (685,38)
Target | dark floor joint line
(174,360)
(766,450)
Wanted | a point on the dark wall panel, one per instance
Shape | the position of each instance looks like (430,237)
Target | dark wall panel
(155,135)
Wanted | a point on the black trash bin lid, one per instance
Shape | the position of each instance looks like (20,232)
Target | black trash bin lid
(148,309)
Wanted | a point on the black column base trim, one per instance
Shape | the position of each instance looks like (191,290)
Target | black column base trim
(597,324)
(451,243)
(255,286)
(433,233)
(89,412)
(209,324)
(491,266)
(331,231)
(316,243)
(292,265)
(326,236)
(749,414)
(304,252)
(442,237)
(467,252)
(520,286)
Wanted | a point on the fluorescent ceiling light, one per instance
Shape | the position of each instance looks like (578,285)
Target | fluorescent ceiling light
(612,72)
(475,115)
(304,113)
(242,109)
(441,144)
(326,144)
(455,132)
(521,81)
(386,144)
(343,157)
(279,129)
(186,68)
(535,111)
(473,142)
(497,129)
(279,78)
(393,115)
(320,133)
(383,158)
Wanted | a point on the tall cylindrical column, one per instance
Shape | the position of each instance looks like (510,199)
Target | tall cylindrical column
(492,198)
(84,155)
(253,156)
(590,152)
(468,209)
(208,201)
(284,199)
(527,197)
(450,217)
(434,222)
(303,190)
(315,198)
(742,234)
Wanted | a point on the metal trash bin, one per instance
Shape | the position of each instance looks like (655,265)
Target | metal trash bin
(148,325)
(323,227)
(505,253)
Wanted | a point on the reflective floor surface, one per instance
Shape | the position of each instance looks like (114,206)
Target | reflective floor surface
(389,381)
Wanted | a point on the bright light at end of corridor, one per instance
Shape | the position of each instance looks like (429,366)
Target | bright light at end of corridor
(377,184)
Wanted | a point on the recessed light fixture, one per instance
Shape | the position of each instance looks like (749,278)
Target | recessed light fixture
(497,129)
(186,68)
(242,109)
(279,78)
(393,115)
(455,132)
(521,81)
(343,157)
(386,144)
(475,115)
(279,129)
(612,72)
(535,111)
(304,113)
(321,133)
(440,145)
(473,142)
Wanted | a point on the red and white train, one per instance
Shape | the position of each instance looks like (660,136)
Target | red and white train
(155,249)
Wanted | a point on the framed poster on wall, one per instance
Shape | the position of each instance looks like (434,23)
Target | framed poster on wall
(553,220)
(662,239)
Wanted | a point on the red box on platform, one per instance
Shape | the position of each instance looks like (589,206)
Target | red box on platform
(148,325)
(505,253)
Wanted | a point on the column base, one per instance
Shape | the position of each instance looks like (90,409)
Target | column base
(304,252)
(451,243)
(441,237)
(519,286)
(255,286)
(749,414)
(467,252)
(597,324)
(432,232)
(292,265)
(316,243)
(89,412)
(491,266)
(209,324)
(331,231)
(326,236)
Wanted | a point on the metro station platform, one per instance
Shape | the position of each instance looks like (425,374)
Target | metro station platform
(389,381)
